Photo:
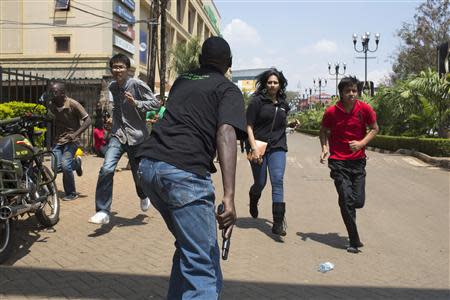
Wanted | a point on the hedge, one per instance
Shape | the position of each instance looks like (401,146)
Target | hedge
(430,146)
(14,109)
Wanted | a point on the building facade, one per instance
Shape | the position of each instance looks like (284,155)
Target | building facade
(76,38)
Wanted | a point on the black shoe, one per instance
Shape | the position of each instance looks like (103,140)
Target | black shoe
(254,204)
(79,170)
(351,249)
(70,197)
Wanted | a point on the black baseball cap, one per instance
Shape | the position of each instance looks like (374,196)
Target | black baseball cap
(216,51)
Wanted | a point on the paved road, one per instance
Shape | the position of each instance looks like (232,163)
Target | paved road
(405,226)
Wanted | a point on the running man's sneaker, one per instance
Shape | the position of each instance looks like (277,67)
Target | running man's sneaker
(145,204)
(70,197)
(100,218)
(80,169)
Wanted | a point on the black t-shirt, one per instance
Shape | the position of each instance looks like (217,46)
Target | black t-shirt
(199,103)
(260,114)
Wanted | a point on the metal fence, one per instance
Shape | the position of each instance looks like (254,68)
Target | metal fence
(23,86)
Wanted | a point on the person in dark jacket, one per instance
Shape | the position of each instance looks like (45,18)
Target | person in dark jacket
(205,112)
(267,121)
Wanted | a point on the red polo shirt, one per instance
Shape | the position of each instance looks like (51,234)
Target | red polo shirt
(345,127)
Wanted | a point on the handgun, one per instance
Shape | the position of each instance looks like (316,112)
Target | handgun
(225,241)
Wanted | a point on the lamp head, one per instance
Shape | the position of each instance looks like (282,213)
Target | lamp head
(377,38)
(355,37)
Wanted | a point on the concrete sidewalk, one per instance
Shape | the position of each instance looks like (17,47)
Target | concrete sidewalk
(404,226)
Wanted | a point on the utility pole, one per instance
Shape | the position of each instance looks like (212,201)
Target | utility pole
(163,47)
(151,61)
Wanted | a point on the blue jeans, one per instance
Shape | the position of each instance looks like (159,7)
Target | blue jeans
(186,203)
(103,192)
(275,161)
(65,163)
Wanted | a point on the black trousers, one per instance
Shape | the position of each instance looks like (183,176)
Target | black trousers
(350,180)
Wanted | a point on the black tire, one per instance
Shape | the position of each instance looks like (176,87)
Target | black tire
(48,214)
(6,239)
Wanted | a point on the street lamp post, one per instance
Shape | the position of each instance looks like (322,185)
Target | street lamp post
(336,72)
(308,99)
(321,83)
(365,38)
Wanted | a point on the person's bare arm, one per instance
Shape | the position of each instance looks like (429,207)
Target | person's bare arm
(255,155)
(324,134)
(227,151)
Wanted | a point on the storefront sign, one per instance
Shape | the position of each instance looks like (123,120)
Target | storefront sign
(123,12)
(124,29)
(143,50)
(129,3)
(123,44)
(212,17)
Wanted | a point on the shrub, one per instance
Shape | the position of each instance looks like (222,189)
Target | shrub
(14,109)
(430,146)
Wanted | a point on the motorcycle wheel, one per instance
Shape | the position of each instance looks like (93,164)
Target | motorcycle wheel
(48,214)
(6,239)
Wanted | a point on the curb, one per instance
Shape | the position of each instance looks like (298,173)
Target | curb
(443,162)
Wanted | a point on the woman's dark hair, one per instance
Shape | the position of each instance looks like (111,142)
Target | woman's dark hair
(261,82)
(99,122)
(120,58)
(347,81)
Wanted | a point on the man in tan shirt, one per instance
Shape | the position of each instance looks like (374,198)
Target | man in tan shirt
(71,119)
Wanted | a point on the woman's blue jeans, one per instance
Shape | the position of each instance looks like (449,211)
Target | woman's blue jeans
(275,162)
(186,203)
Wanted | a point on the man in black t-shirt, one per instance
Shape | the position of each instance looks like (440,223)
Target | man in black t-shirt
(204,113)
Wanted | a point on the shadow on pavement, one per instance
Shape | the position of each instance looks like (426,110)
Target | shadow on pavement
(118,222)
(331,239)
(263,225)
(26,232)
(25,282)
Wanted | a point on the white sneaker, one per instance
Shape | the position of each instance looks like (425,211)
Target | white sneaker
(100,218)
(145,204)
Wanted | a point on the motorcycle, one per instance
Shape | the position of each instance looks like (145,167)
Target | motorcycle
(26,184)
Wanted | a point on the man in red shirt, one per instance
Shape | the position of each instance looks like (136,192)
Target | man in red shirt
(343,137)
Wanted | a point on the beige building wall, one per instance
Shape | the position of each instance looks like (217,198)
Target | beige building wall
(34,47)
(185,19)
(29,41)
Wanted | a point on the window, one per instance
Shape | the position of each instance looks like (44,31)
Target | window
(206,33)
(180,10)
(199,28)
(62,4)
(191,19)
(62,44)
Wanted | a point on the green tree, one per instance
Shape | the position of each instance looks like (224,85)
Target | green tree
(417,106)
(185,56)
(434,91)
(421,38)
